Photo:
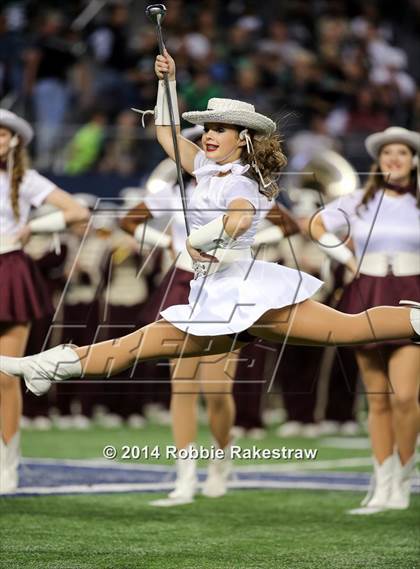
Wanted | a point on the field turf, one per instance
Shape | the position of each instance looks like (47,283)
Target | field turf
(255,529)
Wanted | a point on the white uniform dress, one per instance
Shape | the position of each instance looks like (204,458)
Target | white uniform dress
(233,298)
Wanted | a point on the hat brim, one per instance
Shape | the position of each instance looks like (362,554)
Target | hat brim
(376,141)
(247,119)
(18,126)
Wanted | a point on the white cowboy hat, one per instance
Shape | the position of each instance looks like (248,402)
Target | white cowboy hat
(230,111)
(374,142)
(17,125)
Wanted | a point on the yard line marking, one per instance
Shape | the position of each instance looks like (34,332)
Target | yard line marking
(280,466)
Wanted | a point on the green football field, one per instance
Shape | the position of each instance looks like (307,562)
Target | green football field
(247,529)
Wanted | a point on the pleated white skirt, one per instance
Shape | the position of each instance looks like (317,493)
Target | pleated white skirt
(233,298)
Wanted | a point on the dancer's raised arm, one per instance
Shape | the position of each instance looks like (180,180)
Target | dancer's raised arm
(187,149)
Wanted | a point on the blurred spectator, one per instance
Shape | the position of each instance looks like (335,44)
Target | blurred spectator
(248,88)
(48,63)
(11,65)
(108,44)
(122,153)
(279,43)
(199,91)
(354,63)
(308,142)
(85,147)
(366,115)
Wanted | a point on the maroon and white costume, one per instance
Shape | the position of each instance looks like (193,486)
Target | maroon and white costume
(24,294)
(386,237)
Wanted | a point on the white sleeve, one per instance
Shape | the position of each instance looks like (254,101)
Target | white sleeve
(35,188)
(339,213)
(241,187)
(163,202)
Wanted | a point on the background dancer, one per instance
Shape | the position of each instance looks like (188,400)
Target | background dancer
(383,219)
(24,295)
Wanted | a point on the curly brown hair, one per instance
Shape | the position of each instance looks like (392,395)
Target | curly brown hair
(268,155)
(20,165)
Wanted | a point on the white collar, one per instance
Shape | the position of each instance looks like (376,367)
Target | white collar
(235,168)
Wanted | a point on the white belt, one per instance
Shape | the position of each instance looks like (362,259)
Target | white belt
(8,244)
(225,257)
(397,264)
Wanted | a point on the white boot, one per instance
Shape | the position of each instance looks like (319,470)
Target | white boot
(38,371)
(218,474)
(186,484)
(401,483)
(377,498)
(414,318)
(9,462)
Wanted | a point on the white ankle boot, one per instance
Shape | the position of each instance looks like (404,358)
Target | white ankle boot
(186,484)
(414,318)
(218,473)
(186,480)
(9,462)
(377,498)
(401,483)
(38,371)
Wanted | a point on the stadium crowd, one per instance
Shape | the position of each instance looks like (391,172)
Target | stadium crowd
(332,70)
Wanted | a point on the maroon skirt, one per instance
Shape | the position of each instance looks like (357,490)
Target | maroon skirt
(366,292)
(174,289)
(24,294)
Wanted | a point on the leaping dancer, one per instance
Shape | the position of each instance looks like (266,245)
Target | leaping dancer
(233,298)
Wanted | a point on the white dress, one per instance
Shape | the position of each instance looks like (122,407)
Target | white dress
(233,298)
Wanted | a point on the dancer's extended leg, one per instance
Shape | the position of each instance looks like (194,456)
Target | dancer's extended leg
(311,322)
(157,340)
(306,323)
